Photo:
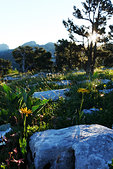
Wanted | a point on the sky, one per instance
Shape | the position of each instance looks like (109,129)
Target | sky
(22,21)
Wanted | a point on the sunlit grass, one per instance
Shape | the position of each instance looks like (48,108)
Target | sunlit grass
(56,114)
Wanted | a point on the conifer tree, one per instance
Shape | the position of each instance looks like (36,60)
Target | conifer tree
(5,65)
(94,16)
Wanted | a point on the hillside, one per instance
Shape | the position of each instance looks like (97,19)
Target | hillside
(4,47)
(48,46)
(6,53)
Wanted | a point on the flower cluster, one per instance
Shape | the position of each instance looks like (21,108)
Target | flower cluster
(25,111)
(82,90)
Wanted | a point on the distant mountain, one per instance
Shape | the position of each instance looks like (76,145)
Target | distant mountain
(6,53)
(48,47)
(31,43)
(4,47)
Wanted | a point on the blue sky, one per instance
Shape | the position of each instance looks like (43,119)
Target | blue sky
(33,20)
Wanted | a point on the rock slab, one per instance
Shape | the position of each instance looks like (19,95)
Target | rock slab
(61,83)
(5,128)
(51,94)
(76,147)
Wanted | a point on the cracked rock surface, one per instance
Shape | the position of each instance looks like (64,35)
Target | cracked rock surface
(76,147)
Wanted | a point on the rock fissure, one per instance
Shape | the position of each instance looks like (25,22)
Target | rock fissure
(90,148)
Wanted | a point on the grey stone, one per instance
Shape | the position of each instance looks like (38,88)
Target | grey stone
(106,91)
(5,128)
(62,82)
(11,78)
(40,74)
(105,81)
(84,81)
(76,147)
(90,111)
(51,94)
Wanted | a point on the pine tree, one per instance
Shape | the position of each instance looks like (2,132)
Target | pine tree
(5,65)
(67,54)
(23,56)
(30,58)
(95,14)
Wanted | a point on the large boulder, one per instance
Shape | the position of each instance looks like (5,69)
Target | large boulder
(76,147)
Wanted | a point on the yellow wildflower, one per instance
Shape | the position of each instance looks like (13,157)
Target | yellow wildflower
(104,86)
(82,90)
(100,108)
(2,83)
(25,111)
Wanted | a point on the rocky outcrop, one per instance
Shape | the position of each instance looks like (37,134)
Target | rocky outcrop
(76,147)
(51,94)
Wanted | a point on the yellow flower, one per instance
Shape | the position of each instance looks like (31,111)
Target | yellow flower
(82,90)
(104,86)
(2,83)
(25,111)
(100,108)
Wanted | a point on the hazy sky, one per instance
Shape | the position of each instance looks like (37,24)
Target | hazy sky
(34,20)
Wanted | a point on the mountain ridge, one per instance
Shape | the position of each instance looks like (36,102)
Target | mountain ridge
(6,53)
(48,46)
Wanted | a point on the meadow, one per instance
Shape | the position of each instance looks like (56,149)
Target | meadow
(27,115)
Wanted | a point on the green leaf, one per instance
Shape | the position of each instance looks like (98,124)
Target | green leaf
(31,92)
(23,145)
(44,101)
(34,108)
(6,88)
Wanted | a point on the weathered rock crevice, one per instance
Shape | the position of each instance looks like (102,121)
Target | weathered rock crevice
(65,149)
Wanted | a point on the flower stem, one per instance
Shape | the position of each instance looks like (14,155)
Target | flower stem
(82,101)
(25,126)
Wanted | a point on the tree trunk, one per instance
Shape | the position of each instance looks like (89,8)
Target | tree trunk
(70,58)
(23,63)
(89,63)
(94,58)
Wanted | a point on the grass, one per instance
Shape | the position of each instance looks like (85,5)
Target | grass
(52,114)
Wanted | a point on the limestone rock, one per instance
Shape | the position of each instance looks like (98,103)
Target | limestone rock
(5,128)
(101,81)
(106,91)
(61,83)
(90,111)
(51,94)
(76,147)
